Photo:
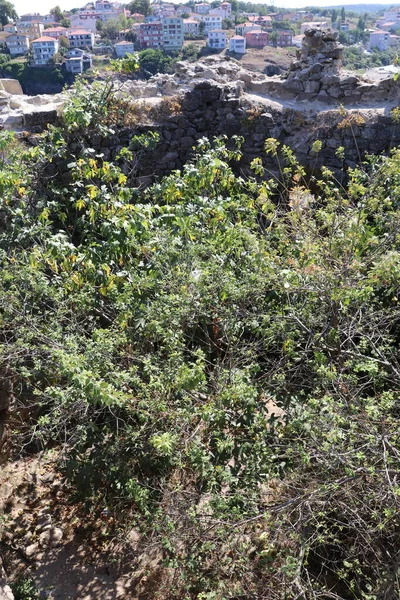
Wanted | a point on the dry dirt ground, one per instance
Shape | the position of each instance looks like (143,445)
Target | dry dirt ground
(257,60)
(44,536)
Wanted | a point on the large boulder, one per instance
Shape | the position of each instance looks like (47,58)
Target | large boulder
(11,86)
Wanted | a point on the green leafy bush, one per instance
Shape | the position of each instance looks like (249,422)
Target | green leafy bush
(216,357)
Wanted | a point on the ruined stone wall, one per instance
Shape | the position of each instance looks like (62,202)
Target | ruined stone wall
(211,110)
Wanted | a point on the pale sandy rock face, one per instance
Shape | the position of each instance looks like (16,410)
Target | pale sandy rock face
(11,86)
(5,592)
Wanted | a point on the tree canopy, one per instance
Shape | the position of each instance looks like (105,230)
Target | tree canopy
(7,12)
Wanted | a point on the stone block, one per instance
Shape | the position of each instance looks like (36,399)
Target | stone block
(311,87)
(11,86)
(187,141)
(335,91)
(40,117)
(293,85)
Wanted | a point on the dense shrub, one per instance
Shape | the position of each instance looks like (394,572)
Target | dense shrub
(216,358)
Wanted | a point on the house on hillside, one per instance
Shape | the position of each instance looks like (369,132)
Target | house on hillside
(284,38)
(237,44)
(379,39)
(243,28)
(256,39)
(212,22)
(32,29)
(83,22)
(191,27)
(77,61)
(150,35)
(216,39)
(44,48)
(123,48)
(56,32)
(10,28)
(202,8)
(80,38)
(172,33)
(18,45)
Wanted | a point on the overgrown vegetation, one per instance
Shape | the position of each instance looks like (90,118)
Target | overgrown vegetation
(215,357)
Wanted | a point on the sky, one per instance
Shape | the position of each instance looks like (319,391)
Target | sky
(43,6)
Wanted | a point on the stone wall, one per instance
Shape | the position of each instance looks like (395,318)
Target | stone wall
(210,110)
(317,76)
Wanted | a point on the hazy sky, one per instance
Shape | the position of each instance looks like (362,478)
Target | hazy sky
(43,6)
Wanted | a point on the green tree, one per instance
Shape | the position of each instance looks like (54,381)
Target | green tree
(57,13)
(65,22)
(334,16)
(140,6)
(7,12)
(343,14)
(64,42)
(112,27)
(154,61)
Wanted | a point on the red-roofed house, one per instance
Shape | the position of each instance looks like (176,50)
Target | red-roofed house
(56,32)
(80,38)
(44,49)
(256,39)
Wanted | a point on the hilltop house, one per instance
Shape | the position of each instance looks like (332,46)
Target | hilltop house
(243,28)
(56,32)
(284,38)
(217,39)
(379,39)
(44,48)
(17,44)
(123,48)
(191,26)
(80,38)
(237,44)
(256,39)
(83,22)
(10,28)
(172,33)
(202,8)
(77,61)
(32,29)
(212,22)
(150,35)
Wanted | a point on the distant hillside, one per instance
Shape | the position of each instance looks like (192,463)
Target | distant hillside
(362,8)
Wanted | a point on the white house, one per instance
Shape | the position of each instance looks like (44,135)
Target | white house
(379,39)
(212,22)
(77,61)
(44,49)
(172,28)
(392,15)
(56,32)
(83,22)
(202,8)
(237,44)
(217,39)
(190,26)
(123,48)
(18,45)
(227,8)
(243,28)
(10,28)
(224,11)
(80,38)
